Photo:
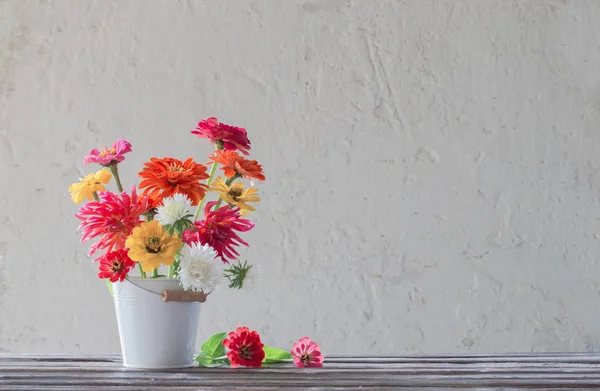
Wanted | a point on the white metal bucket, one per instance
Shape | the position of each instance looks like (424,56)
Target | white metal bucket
(154,334)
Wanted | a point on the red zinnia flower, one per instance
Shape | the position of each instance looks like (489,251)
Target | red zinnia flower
(167,176)
(307,353)
(112,219)
(218,230)
(245,348)
(115,265)
(232,138)
(233,164)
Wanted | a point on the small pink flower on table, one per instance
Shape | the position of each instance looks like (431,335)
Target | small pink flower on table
(307,353)
(109,156)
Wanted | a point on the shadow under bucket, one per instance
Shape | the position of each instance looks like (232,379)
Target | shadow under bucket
(154,334)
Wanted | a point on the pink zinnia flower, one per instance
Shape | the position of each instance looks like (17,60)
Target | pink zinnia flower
(111,219)
(218,230)
(232,138)
(109,156)
(307,353)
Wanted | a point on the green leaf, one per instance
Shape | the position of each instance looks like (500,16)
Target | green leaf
(109,285)
(273,355)
(213,347)
(213,352)
(207,361)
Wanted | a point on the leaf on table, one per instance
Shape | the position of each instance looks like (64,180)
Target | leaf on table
(208,361)
(212,351)
(273,355)
(214,345)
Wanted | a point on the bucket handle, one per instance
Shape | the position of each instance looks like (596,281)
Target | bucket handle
(177,296)
(183,296)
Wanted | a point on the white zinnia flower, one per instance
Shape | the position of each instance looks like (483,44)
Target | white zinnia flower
(173,209)
(252,277)
(199,268)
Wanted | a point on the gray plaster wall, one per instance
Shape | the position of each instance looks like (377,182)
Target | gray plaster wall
(432,166)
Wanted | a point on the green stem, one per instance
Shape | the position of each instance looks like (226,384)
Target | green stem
(114,170)
(213,169)
(272,362)
(109,286)
(172,266)
(142,272)
(155,273)
(95,194)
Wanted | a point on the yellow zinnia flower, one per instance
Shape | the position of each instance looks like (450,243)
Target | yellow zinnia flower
(89,185)
(236,195)
(152,246)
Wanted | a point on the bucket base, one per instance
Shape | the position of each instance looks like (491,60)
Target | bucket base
(161,367)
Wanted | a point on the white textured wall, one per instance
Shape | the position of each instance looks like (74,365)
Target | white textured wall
(433,166)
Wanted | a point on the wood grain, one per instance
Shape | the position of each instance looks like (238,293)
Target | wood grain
(420,372)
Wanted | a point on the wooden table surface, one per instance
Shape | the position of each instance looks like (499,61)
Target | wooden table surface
(419,372)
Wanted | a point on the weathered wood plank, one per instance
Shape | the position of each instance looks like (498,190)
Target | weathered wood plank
(426,373)
(403,369)
(220,388)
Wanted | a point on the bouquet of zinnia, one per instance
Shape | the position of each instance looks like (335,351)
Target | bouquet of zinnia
(170,224)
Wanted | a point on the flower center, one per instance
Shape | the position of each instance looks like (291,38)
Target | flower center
(153,244)
(175,168)
(107,151)
(117,226)
(305,358)
(245,352)
(116,266)
(235,193)
(201,271)
(93,181)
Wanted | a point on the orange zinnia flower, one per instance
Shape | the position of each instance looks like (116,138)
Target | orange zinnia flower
(167,176)
(234,164)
